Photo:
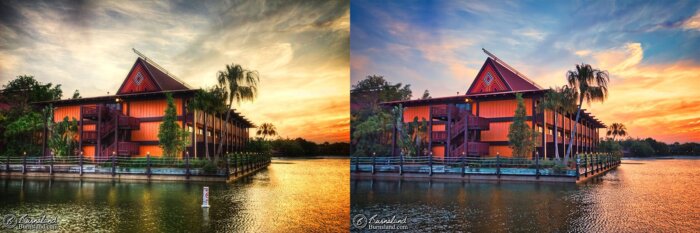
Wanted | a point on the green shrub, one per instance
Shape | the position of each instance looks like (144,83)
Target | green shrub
(210,167)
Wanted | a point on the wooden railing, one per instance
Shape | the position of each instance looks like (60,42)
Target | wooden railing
(439,136)
(125,149)
(91,112)
(474,149)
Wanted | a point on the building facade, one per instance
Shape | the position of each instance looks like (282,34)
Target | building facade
(128,122)
(476,124)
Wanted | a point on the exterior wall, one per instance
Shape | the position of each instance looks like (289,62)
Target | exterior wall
(152,108)
(502,108)
(438,151)
(155,151)
(66,111)
(421,112)
(89,151)
(504,151)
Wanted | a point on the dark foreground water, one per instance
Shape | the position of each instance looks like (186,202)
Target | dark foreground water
(639,196)
(309,195)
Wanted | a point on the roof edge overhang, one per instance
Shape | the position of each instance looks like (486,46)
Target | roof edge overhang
(112,98)
(461,98)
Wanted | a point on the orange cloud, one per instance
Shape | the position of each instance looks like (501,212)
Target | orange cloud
(661,101)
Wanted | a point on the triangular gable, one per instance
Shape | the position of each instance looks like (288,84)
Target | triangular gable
(489,79)
(139,80)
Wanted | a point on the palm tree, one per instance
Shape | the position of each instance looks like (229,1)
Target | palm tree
(553,100)
(589,84)
(568,107)
(266,129)
(617,129)
(238,85)
(207,102)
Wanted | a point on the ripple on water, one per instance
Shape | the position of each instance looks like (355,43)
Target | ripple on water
(653,195)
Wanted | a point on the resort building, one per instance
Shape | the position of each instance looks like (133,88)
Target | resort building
(127,123)
(477,123)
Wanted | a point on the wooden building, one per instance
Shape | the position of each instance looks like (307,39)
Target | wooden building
(128,122)
(476,124)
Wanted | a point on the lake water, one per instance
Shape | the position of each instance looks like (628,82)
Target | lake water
(294,195)
(639,196)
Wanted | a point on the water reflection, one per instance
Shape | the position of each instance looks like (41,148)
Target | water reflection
(647,195)
(296,195)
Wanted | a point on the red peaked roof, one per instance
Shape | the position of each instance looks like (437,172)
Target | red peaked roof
(516,80)
(164,80)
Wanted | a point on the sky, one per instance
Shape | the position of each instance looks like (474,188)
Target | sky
(299,48)
(650,49)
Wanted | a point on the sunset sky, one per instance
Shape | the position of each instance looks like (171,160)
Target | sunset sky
(651,49)
(300,49)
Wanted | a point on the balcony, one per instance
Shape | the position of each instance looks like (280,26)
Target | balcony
(92,112)
(441,111)
(474,149)
(126,122)
(439,136)
(125,149)
(475,123)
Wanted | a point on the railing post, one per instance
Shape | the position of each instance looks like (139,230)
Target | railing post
(401,164)
(235,164)
(114,160)
(7,164)
(374,161)
(537,164)
(578,161)
(51,164)
(585,165)
(351,163)
(187,165)
(498,164)
(148,164)
(80,159)
(228,169)
(430,161)
(24,163)
(464,157)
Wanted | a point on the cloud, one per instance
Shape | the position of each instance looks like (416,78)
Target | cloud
(692,23)
(620,59)
(300,49)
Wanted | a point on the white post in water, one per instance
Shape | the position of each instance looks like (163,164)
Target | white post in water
(205,197)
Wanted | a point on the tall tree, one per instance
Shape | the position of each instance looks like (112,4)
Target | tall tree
(591,85)
(76,95)
(266,129)
(568,107)
(521,138)
(368,118)
(617,129)
(21,115)
(239,85)
(426,95)
(171,137)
